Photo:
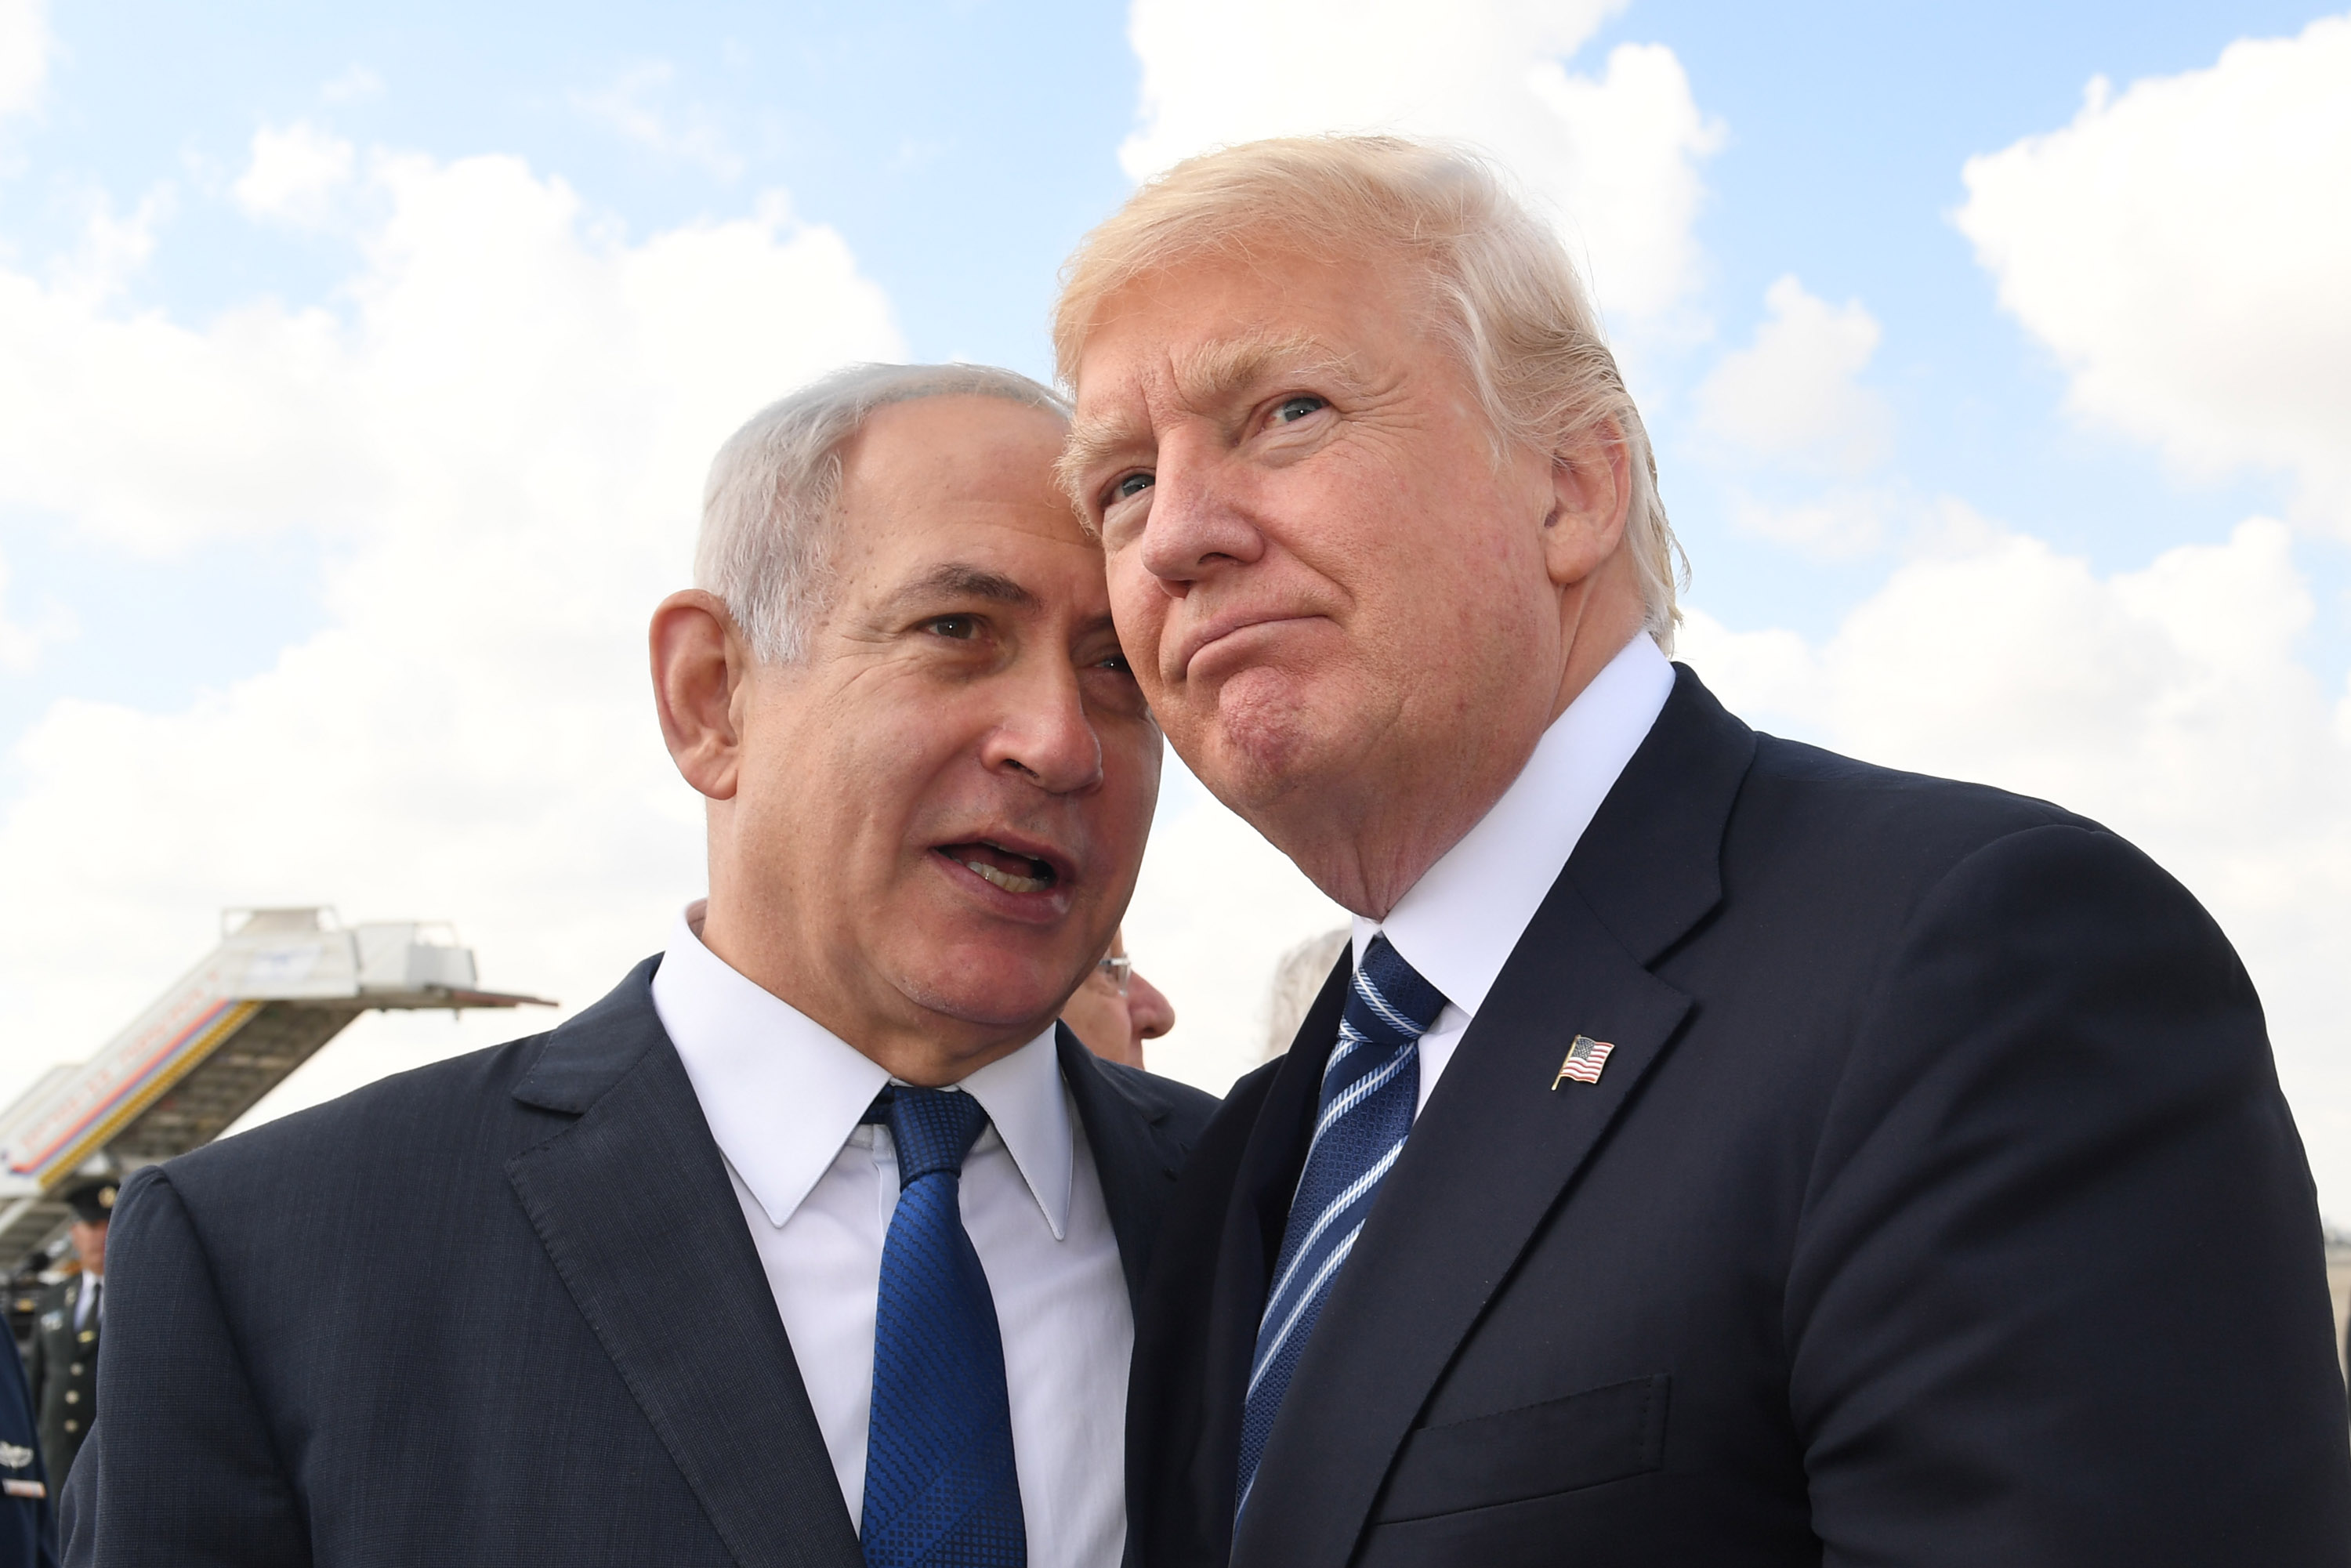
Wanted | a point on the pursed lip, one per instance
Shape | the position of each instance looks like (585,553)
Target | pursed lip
(1200,639)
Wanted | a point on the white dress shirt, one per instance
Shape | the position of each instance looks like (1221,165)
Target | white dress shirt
(783,1097)
(1457,924)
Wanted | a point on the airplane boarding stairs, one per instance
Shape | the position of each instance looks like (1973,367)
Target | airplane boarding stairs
(281,983)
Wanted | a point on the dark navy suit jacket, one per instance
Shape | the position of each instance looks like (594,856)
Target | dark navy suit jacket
(1937,1206)
(502,1309)
(28,1524)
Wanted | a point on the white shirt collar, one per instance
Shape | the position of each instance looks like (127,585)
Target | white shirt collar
(1460,923)
(782,1094)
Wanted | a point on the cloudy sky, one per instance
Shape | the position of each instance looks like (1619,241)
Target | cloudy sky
(358,367)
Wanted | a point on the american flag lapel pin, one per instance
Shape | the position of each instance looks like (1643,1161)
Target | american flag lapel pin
(1584,1060)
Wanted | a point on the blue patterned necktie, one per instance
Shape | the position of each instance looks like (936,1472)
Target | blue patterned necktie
(941,1490)
(1369,1087)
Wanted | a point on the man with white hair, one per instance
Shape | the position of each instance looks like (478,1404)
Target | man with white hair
(812,1243)
(1710,1150)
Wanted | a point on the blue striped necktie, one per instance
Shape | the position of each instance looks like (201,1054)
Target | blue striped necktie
(1369,1087)
(941,1490)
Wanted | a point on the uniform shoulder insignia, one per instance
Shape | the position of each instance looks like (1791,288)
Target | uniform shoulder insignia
(15,1457)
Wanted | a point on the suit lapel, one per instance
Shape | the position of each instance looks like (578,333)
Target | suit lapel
(1263,1181)
(1497,1145)
(635,1205)
(1133,1158)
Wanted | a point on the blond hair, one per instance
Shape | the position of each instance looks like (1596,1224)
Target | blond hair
(1507,294)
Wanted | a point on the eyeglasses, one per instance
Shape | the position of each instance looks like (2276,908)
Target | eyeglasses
(1120,968)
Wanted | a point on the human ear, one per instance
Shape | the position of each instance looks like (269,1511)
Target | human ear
(1591,493)
(699,662)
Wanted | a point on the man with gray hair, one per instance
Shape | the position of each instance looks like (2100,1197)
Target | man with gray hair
(812,1243)
(1710,1150)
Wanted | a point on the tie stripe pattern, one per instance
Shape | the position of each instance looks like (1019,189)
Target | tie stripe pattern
(1370,1088)
(941,1489)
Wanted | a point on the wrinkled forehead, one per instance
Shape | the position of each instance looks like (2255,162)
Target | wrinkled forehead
(944,509)
(1187,365)
(957,445)
(913,464)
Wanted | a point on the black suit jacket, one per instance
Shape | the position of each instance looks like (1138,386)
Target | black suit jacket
(1938,1206)
(28,1537)
(502,1309)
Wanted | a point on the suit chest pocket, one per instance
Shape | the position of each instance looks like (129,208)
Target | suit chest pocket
(1584,1439)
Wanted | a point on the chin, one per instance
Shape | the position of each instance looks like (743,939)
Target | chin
(1006,992)
(1261,744)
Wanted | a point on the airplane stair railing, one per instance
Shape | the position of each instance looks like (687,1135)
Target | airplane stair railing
(281,983)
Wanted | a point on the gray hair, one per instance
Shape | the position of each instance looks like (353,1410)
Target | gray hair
(767,537)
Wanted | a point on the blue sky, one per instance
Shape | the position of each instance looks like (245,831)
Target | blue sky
(962,148)
(1926,525)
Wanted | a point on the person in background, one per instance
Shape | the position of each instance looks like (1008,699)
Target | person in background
(1116,1010)
(1298,979)
(62,1364)
(28,1537)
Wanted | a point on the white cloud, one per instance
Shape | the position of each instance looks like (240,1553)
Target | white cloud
(1616,156)
(504,439)
(24,46)
(628,107)
(356,85)
(295,175)
(2167,703)
(1794,396)
(1836,526)
(2182,246)
(155,434)
(21,645)
(113,249)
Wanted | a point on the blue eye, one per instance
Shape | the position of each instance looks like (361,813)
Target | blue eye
(1134,485)
(1290,410)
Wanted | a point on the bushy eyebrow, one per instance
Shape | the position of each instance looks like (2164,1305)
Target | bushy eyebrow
(1217,372)
(1210,377)
(963,580)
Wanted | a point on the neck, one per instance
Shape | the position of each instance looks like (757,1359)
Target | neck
(1367,844)
(915,1044)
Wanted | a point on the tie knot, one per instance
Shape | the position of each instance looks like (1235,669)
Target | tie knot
(934,1129)
(1390,999)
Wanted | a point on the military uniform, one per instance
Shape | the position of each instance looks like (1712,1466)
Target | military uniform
(62,1364)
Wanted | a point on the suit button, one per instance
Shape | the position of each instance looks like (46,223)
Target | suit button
(77,1369)
(73,1395)
(73,1426)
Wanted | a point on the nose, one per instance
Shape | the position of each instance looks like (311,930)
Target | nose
(1148,1010)
(1043,733)
(1196,524)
